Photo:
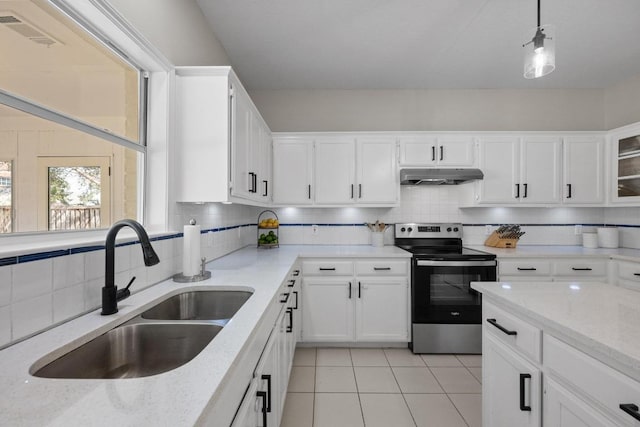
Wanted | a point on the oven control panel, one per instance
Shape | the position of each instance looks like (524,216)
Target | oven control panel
(418,230)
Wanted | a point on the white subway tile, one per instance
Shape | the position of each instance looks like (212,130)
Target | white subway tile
(122,259)
(94,264)
(68,302)
(68,270)
(31,279)
(93,293)
(31,315)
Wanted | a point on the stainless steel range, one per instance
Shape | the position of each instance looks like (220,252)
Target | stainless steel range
(445,311)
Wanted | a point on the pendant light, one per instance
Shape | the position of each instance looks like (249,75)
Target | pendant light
(540,51)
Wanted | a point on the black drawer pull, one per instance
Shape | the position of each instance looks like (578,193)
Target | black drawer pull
(359,290)
(296,294)
(349,290)
(382,268)
(263,395)
(327,269)
(285,298)
(527,269)
(636,274)
(631,409)
(291,284)
(581,269)
(502,328)
(523,407)
(290,325)
(268,379)
(296,273)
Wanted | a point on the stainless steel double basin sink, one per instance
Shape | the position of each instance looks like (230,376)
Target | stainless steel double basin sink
(162,338)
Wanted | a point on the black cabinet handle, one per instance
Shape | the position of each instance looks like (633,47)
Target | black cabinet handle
(296,294)
(309,187)
(433,153)
(502,328)
(291,284)
(255,182)
(327,269)
(268,379)
(569,188)
(525,190)
(441,152)
(285,298)
(359,191)
(290,326)
(359,290)
(250,182)
(631,409)
(527,269)
(266,187)
(263,395)
(296,273)
(523,377)
(349,290)
(517,191)
(581,269)
(352,191)
(636,274)
(381,268)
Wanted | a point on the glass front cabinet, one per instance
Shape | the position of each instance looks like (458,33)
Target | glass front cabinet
(626,166)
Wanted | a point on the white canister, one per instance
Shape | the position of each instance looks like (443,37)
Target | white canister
(608,237)
(590,240)
(377,239)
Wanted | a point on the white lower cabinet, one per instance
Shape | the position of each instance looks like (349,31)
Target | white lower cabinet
(368,306)
(510,387)
(627,274)
(553,270)
(562,408)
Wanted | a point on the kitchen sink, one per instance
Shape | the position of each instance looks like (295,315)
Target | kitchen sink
(199,305)
(132,351)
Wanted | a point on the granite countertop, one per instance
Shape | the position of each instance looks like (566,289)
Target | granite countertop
(599,319)
(544,251)
(177,397)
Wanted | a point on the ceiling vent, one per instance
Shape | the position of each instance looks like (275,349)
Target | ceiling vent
(26,29)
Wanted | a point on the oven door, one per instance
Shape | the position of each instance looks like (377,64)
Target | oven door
(441,290)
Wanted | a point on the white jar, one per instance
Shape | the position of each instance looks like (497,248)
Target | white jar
(377,239)
(608,237)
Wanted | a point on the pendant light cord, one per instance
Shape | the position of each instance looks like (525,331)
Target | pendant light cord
(538,13)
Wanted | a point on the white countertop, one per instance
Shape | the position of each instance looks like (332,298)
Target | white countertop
(601,320)
(174,398)
(546,251)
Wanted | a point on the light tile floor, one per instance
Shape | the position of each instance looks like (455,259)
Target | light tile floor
(342,387)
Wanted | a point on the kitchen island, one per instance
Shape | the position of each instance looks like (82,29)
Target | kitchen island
(178,397)
(559,351)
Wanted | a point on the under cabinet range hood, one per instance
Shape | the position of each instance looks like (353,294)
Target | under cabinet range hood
(438,176)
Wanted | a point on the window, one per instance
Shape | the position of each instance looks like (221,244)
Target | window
(71,124)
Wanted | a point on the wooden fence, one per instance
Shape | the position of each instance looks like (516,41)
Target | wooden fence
(5,219)
(74,218)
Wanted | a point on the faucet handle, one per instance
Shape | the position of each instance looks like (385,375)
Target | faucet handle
(125,293)
(203,268)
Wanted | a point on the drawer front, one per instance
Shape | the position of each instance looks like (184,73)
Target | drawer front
(603,385)
(629,271)
(524,267)
(581,267)
(513,331)
(327,267)
(525,278)
(382,267)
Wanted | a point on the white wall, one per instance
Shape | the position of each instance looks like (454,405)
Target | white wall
(622,103)
(177,28)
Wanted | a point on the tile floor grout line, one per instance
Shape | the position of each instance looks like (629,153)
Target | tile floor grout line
(357,388)
(457,410)
(447,394)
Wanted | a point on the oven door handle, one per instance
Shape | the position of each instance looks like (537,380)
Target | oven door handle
(431,263)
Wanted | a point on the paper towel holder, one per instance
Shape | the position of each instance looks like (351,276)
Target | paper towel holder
(203,275)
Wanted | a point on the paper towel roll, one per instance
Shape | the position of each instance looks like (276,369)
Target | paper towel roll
(590,240)
(608,237)
(191,250)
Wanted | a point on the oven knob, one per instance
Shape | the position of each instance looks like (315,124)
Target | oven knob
(410,230)
(449,229)
(455,229)
(403,229)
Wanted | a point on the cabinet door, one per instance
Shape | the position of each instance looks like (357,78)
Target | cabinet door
(250,412)
(499,160)
(564,409)
(455,151)
(540,173)
(376,296)
(327,309)
(242,180)
(334,168)
(511,393)
(292,166)
(268,375)
(418,151)
(378,178)
(265,150)
(583,171)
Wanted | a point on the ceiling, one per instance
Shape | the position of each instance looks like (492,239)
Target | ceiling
(423,44)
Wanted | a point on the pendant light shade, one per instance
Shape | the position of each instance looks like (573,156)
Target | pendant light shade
(540,51)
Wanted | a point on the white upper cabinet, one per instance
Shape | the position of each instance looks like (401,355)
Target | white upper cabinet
(220,154)
(378,177)
(583,170)
(625,170)
(436,150)
(334,169)
(519,170)
(292,171)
